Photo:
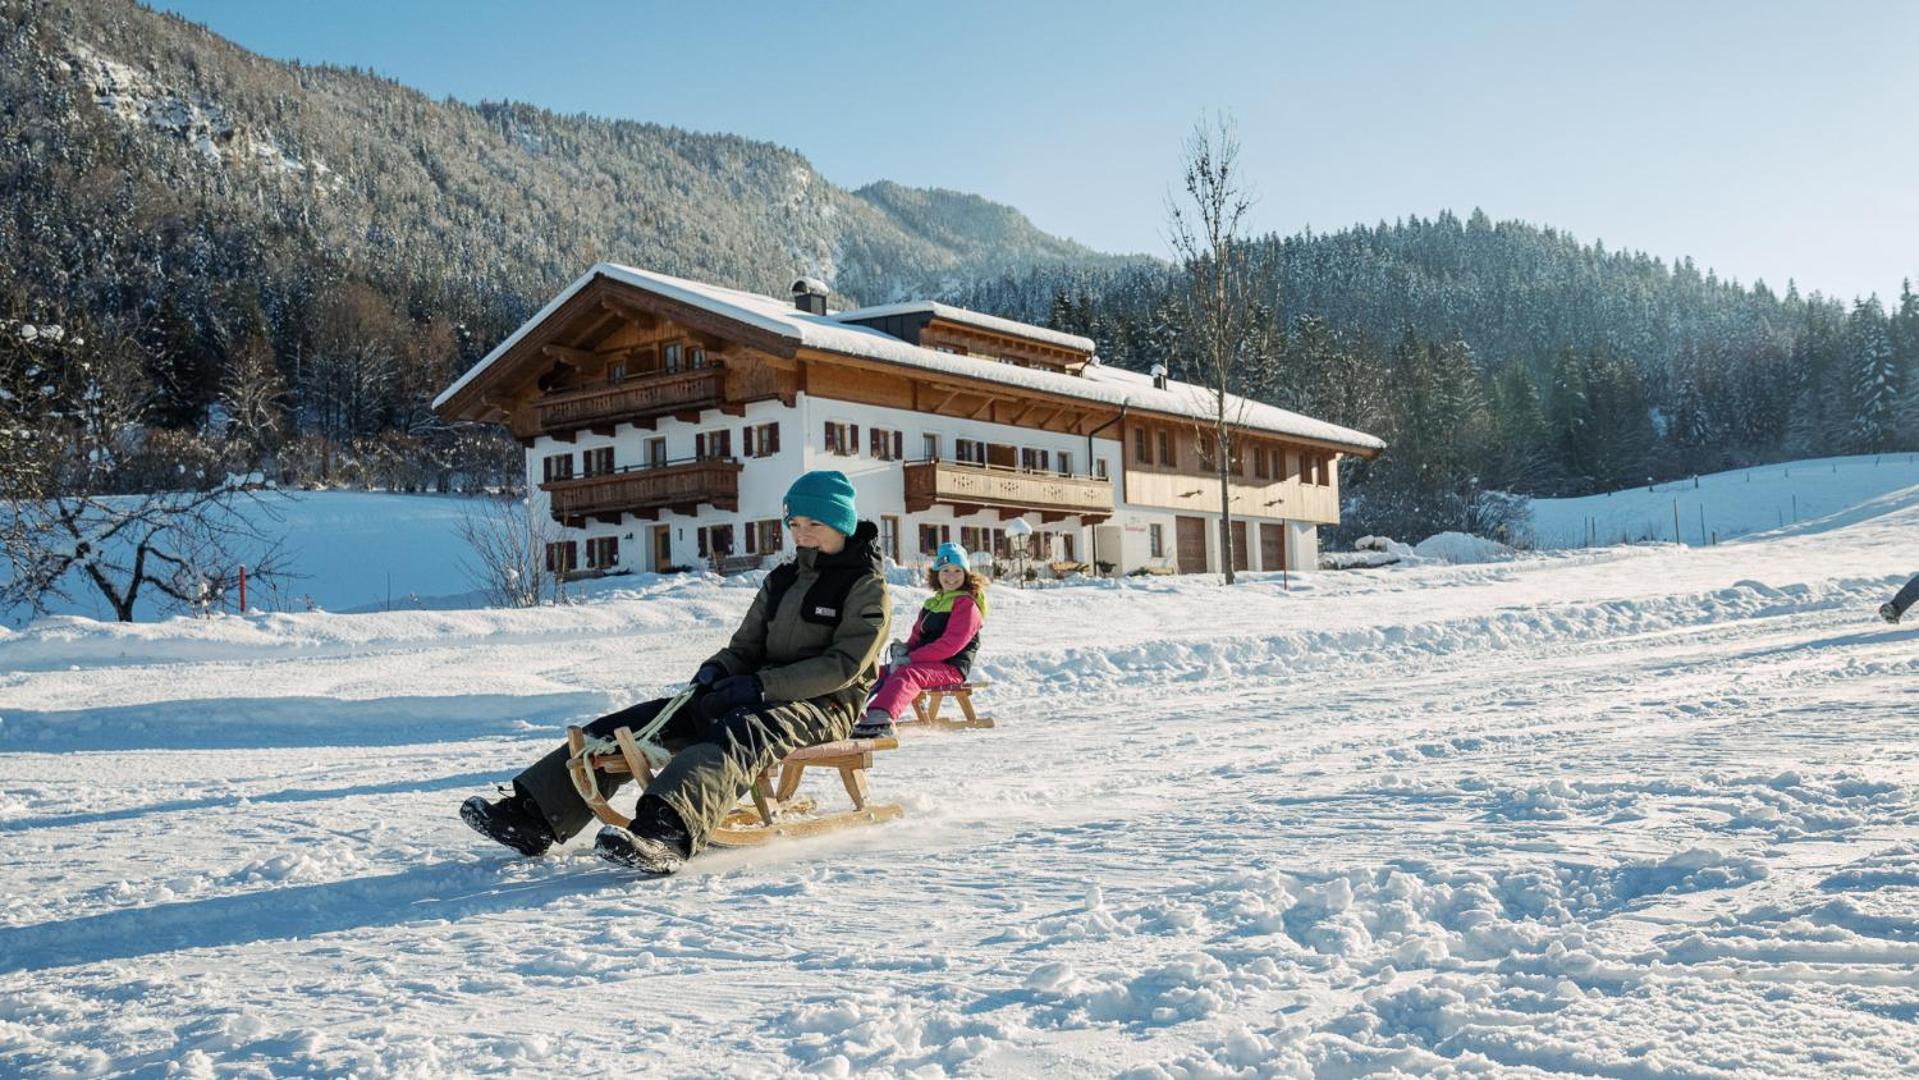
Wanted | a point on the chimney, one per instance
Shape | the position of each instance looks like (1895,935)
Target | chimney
(809,295)
(1159,376)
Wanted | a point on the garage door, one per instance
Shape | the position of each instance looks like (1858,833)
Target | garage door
(1242,558)
(1191,536)
(1272,547)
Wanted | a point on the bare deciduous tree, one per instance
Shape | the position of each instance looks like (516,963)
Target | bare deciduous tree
(1219,301)
(185,546)
(506,552)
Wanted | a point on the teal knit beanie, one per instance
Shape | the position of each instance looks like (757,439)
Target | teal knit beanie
(826,496)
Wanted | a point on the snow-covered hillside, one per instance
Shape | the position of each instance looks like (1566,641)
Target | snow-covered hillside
(1630,811)
(1727,505)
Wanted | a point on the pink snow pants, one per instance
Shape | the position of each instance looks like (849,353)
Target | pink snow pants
(900,685)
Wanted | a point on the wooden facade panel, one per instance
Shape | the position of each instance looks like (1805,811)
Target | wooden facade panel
(1200,495)
(864,387)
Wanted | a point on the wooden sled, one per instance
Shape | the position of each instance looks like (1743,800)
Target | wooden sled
(777,810)
(926,708)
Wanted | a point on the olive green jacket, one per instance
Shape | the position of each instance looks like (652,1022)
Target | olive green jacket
(805,648)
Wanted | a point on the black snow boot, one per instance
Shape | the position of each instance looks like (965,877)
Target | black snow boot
(1889,613)
(514,820)
(656,843)
(874,725)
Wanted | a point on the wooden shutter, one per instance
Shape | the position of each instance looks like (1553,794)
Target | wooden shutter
(771,441)
(899,446)
(746,440)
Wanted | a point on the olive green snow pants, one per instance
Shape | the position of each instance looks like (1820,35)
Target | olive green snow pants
(714,761)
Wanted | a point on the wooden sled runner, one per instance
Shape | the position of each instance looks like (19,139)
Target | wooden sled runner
(777,810)
(926,708)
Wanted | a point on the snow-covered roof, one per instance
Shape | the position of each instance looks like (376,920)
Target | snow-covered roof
(977,319)
(827,333)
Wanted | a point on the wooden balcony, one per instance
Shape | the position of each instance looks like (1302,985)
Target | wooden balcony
(646,490)
(636,400)
(969,488)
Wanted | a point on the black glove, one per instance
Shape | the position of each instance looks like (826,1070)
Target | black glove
(733,692)
(709,673)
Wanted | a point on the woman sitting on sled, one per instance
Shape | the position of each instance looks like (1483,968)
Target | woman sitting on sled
(793,676)
(941,648)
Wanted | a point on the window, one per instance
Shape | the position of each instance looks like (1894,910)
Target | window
(672,355)
(1236,459)
(969,450)
(763,537)
(558,467)
(1260,470)
(1308,467)
(886,445)
(1066,547)
(616,373)
(890,537)
(656,452)
(762,440)
(709,445)
(562,557)
(1142,450)
(1031,460)
(1156,541)
(930,447)
(716,541)
(969,537)
(603,552)
(695,357)
(1065,463)
(596,462)
(1099,468)
(1166,457)
(1204,444)
(842,439)
(1325,462)
(932,536)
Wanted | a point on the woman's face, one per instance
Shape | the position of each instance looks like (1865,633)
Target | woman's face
(951,577)
(808,533)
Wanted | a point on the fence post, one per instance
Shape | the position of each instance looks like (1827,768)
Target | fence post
(243,588)
(1676,538)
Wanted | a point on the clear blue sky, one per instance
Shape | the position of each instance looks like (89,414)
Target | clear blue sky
(1763,139)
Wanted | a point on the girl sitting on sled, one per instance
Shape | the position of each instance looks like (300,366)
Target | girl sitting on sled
(941,648)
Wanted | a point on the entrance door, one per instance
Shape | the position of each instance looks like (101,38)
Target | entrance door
(1272,547)
(1191,538)
(1241,557)
(662,548)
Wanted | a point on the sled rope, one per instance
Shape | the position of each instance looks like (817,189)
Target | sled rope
(580,761)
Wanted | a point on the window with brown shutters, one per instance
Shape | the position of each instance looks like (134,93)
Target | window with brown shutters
(842,439)
(562,557)
(763,537)
(761,440)
(558,467)
(597,462)
(603,552)
(884,444)
(713,444)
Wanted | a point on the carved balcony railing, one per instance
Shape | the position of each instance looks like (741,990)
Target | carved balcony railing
(647,489)
(637,399)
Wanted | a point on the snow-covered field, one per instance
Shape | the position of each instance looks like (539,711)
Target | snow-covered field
(1625,812)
